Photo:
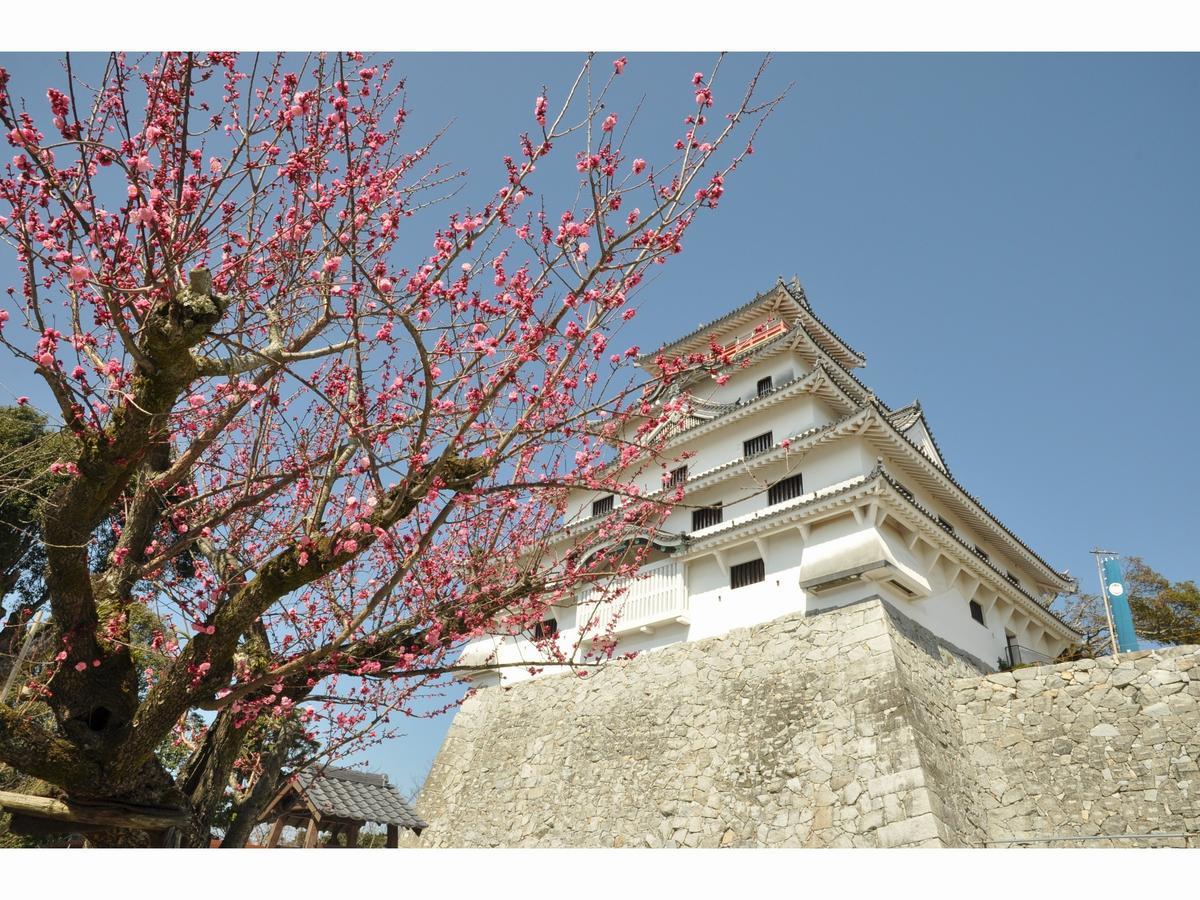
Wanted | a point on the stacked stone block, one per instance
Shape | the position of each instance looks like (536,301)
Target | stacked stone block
(852,728)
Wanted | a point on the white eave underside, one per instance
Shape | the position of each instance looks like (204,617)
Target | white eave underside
(811,508)
(871,421)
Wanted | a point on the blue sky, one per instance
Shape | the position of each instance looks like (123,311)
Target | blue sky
(1010,238)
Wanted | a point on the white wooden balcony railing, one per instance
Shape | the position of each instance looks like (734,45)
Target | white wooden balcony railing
(657,595)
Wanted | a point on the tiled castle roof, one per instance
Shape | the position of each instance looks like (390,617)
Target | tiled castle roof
(802,310)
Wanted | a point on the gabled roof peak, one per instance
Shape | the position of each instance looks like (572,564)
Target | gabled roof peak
(797,291)
(786,300)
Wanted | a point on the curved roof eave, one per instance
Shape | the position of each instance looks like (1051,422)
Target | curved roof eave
(1059,579)
(800,312)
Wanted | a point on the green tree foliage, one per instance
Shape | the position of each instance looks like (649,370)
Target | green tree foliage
(1164,611)
(27,451)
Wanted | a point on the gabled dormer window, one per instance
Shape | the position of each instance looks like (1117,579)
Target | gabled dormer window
(756,445)
(765,386)
(603,506)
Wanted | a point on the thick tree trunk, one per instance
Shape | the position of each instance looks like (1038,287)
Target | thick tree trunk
(246,813)
(206,775)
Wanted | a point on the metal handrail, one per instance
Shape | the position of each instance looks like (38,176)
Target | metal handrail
(1019,656)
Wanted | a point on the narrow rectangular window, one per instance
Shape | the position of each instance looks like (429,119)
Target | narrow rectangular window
(787,489)
(747,573)
(756,445)
(764,386)
(677,477)
(545,629)
(977,612)
(603,506)
(707,517)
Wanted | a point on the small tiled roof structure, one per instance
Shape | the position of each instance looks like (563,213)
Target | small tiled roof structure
(349,794)
(340,801)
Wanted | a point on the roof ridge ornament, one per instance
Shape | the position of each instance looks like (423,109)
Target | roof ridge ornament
(797,290)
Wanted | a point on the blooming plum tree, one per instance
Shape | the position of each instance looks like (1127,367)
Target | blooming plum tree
(320,467)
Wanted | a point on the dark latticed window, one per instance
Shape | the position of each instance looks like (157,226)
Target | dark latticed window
(704,518)
(782,491)
(977,612)
(677,477)
(764,386)
(747,573)
(756,445)
(547,628)
(603,506)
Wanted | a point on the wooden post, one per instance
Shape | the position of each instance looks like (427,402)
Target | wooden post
(310,838)
(393,837)
(276,833)
(352,836)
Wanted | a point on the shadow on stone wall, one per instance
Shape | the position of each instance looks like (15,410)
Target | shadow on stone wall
(853,727)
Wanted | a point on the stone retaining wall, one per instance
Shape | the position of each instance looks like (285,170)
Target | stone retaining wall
(1095,747)
(853,727)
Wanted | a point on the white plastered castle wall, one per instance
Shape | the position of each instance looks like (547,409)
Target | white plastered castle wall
(945,573)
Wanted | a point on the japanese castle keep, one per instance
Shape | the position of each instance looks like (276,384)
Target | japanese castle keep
(830,619)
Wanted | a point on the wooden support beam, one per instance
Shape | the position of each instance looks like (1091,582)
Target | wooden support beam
(276,833)
(310,837)
(111,815)
(393,836)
